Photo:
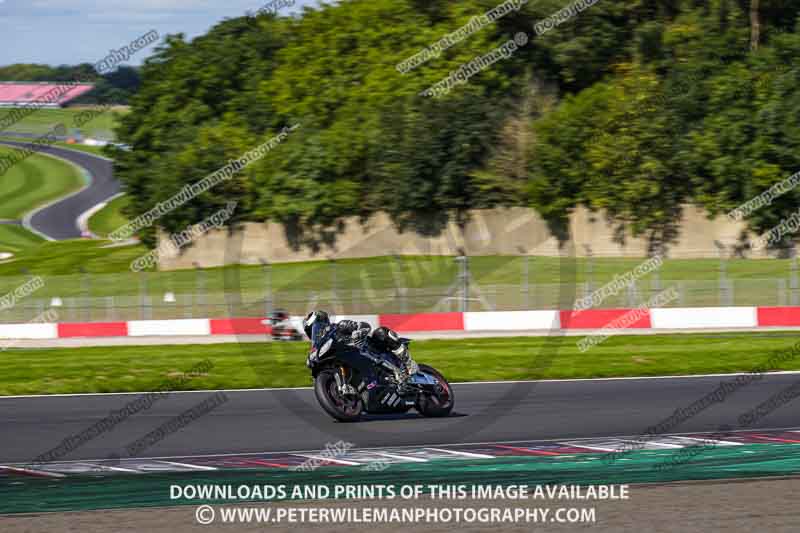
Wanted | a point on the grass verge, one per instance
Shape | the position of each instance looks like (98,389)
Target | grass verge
(14,239)
(109,218)
(44,121)
(143,368)
(757,278)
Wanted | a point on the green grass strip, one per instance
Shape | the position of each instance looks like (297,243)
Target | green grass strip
(109,218)
(256,365)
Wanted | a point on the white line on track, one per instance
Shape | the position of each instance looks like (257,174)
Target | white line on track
(723,442)
(412,447)
(114,468)
(118,469)
(31,472)
(184,465)
(654,443)
(328,459)
(598,448)
(461,383)
(401,457)
(464,454)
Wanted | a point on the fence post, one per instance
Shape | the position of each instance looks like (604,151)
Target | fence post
(266,267)
(170,309)
(27,274)
(143,295)
(632,291)
(463,275)
(526,277)
(86,291)
(334,283)
(793,279)
(200,288)
(527,282)
(656,283)
(589,269)
(400,282)
(111,311)
(730,294)
(724,297)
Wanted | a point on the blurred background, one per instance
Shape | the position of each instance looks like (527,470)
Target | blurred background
(651,119)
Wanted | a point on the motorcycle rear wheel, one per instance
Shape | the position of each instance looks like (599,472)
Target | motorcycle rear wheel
(341,408)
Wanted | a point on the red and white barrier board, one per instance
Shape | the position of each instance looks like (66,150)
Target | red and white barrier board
(591,319)
(423,322)
(169,328)
(704,317)
(778,316)
(93,329)
(606,318)
(511,320)
(28,331)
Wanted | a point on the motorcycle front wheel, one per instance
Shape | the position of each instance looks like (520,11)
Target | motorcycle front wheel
(342,408)
(441,402)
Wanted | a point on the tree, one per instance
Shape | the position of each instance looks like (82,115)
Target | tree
(755,25)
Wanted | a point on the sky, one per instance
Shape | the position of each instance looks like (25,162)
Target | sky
(69,32)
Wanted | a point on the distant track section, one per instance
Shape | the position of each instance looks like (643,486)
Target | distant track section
(59,220)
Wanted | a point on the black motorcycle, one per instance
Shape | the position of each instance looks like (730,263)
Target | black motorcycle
(350,379)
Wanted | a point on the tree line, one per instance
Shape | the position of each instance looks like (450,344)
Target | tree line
(636,107)
(112,88)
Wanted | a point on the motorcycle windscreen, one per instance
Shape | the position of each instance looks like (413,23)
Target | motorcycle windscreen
(318,330)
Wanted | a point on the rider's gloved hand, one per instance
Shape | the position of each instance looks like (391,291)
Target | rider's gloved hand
(347,326)
(359,335)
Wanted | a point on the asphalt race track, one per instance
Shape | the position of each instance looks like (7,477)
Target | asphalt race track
(290,420)
(59,220)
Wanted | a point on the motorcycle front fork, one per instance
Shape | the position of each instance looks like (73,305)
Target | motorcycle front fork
(343,382)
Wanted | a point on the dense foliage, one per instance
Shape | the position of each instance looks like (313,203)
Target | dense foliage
(633,106)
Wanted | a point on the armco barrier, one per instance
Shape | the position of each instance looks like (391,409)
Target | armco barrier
(590,319)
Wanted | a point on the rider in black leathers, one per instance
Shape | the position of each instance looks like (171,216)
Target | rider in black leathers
(381,342)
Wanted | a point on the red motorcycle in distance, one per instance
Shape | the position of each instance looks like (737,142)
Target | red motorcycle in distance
(282,327)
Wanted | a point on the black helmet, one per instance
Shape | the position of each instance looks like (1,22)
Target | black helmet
(315,317)
(386,339)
